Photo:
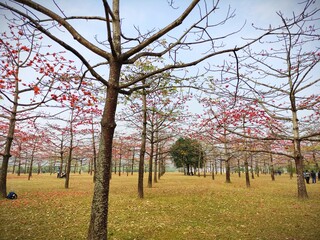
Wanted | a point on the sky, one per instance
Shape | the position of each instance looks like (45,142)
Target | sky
(156,14)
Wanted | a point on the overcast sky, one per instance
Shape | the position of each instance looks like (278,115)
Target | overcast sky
(156,14)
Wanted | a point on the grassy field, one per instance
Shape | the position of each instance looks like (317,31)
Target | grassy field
(177,207)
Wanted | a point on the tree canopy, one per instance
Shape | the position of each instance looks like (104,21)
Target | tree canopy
(187,152)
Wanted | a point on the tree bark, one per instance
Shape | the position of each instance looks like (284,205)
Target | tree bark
(99,208)
(120,156)
(290,167)
(143,143)
(31,161)
(251,166)
(157,156)
(61,159)
(151,160)
(247,172)
(132,161)
(271,168)
(9,140)
(66,185)
(228,178)
(19,167)
(257,169)
(14,165)
(212,170)
(94,159)
(156,160)
(297,153)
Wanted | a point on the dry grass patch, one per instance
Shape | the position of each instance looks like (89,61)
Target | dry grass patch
(177,207)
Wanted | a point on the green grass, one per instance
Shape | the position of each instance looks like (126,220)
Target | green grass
(177,207)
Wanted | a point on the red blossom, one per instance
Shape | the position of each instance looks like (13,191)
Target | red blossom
(36,90)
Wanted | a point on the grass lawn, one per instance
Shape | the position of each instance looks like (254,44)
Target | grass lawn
(177,207)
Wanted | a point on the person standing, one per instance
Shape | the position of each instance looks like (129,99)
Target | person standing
(313,176)
(307,176)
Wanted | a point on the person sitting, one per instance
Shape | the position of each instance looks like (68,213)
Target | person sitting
(12,195)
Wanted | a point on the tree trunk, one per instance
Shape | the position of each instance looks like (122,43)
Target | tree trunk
(212,171)
(155,174)
(9,140)
(163,166)
(115,166)
(39,168)
(52,166)
(251,166)
(215,167)
(160,166)
(290,167)
(228,179)
(226,155)
(61,159)
(19,167)
(143,143)
(31,161)
(90,166)
(66,185)
(132,161)
(14,165)
(120,156)
(75,167)
(302,190)
(3,174)
(99,208)
(157,158)
(162,162)
(257,169)
(80,169)
(271,167)
(94,160)
(151,160)
(26,165)
(199,161)
(247,173)
(297,154)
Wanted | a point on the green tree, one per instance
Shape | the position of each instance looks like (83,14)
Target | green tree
(187,153)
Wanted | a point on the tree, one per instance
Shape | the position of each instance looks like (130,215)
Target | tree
(280,75)
(186,153)
(148,110)
(158,108)
(216,121)
(21,52)
(79,116)
(164,112)
(231,126)
(115,51)
(36,142)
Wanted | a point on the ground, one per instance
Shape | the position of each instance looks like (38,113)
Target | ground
(177,207)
